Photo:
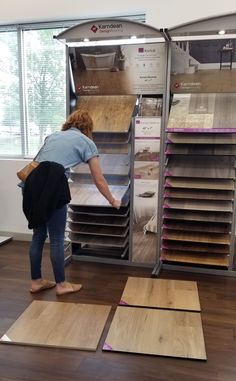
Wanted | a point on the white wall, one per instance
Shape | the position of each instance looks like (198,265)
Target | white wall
(12,218)
(159,13)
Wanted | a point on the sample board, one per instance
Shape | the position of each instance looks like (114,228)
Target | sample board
(156,332)
(81,325)
(161,293)
(109,113)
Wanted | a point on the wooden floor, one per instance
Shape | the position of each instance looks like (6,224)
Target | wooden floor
(104,284)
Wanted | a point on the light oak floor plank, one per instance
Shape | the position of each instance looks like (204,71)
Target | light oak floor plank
(178,235)
(211,205)
(183,182)
(156,332)
(109,113)
(207,259)
(61,325)
(203,112)
(161,293)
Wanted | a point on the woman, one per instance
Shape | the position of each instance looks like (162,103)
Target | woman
(68,147)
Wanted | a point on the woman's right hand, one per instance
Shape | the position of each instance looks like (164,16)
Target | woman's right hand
(116,204)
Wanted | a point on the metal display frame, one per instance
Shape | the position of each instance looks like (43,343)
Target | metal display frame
(131,32)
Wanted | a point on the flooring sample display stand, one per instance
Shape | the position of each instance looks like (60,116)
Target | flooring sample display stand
(98,231)
(114,93)
(199,184)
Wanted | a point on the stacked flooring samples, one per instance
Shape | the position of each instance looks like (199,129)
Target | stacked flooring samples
(199,190)
(94,227)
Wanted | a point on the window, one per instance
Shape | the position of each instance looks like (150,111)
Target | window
(32,85)
(10,141)
(32,89)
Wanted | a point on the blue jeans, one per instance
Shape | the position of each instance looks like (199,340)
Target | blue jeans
(55,227)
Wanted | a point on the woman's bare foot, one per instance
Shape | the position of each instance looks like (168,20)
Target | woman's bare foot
(67,288)
(38,285)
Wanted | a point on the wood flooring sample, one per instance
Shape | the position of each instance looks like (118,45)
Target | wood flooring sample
(110,113)
(207,259)
(58,324)
(161,293)
(200,138)
(86,194)
(200,183)
(156,332)
(201,166)
(205,112)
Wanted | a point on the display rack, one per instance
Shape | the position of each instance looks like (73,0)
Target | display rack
(198,195)
(96,230)
(117,76)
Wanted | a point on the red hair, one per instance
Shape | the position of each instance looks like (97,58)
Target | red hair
(81,120)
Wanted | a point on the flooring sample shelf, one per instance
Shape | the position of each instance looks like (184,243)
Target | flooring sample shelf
(216,227)
(87,219)
(199,185)
(94,227)
(96,252)
(110,231)
(218,205)
(201,149)
(87,194)
(207,259)
(180,235)
(116,170)
(200,194)
(179,245)
(201,166)
(183,182)
(98,240)
(100,211)
(112,179)
(195,215)
(99,232)
(199,138)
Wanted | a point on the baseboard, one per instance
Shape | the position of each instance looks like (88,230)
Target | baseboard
(17,236)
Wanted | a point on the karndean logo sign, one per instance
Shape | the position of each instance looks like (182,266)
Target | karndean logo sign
(105,28)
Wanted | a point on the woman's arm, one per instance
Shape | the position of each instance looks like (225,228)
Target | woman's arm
(101,183)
